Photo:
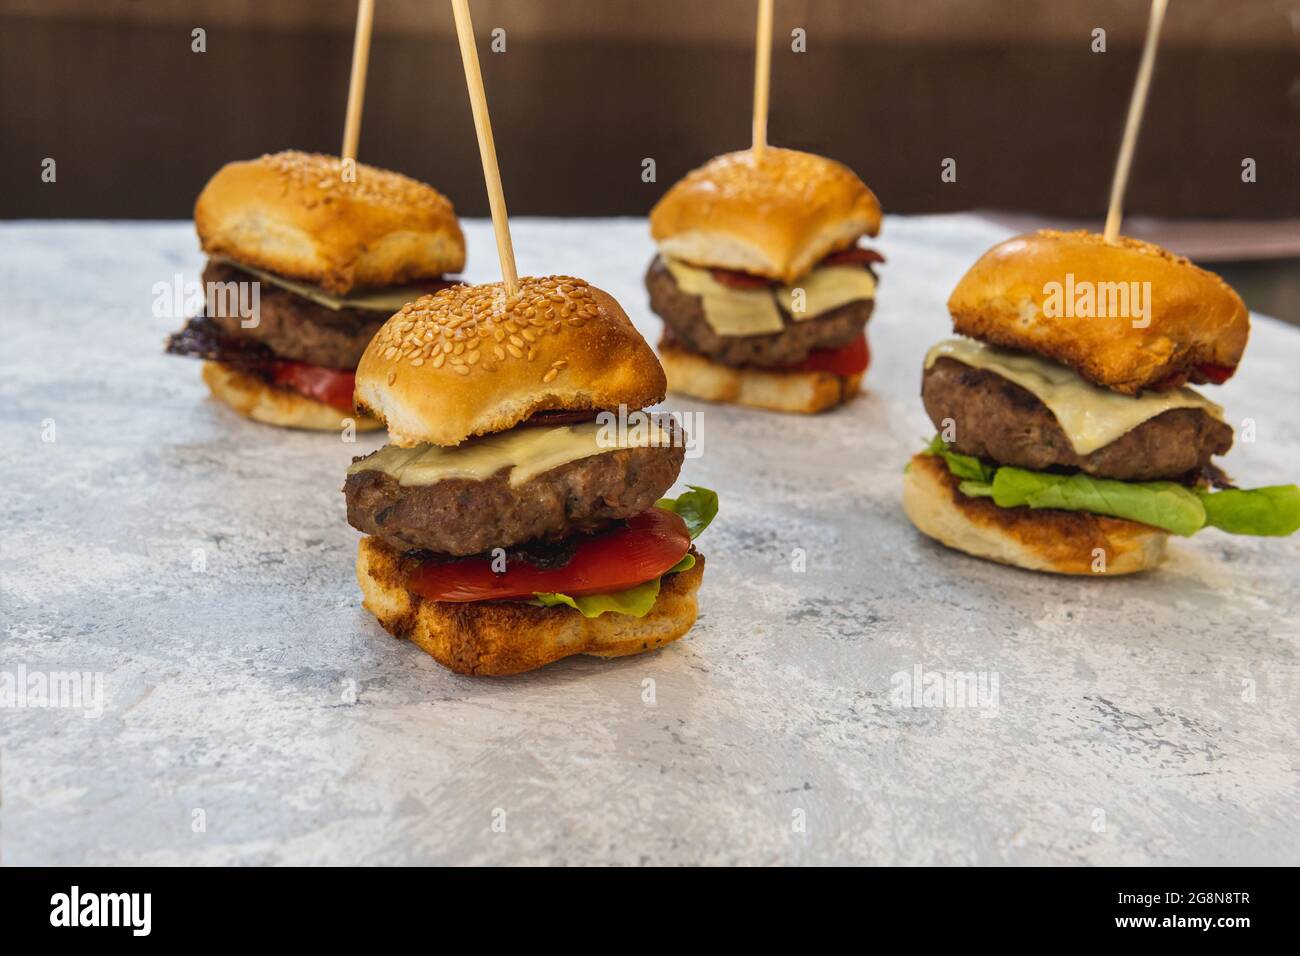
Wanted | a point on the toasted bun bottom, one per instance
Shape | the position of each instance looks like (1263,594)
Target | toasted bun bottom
(806,392)
(504,637)
(250,396)
(1063,542)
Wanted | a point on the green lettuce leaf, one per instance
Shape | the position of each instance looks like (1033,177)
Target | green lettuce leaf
(698,507)
(635,602)
(1161,504)
(963,466)
(1273,511)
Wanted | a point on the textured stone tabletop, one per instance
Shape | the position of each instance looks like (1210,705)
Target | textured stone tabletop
(199,566)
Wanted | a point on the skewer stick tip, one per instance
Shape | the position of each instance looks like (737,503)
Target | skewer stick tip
(1119,183)
(357,82)
(486,146)
(762,76)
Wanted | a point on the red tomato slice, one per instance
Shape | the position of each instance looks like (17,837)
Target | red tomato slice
(1218,374)
(640,551)
(846,360)
(853,256)
(329,386)
(740,280)
(1214,374)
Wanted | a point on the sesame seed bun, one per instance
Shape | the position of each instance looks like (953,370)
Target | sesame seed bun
(1195,317)
(469,361)
(294,214)
(255,399)
(508,637)
(775,217)
(1062,542)
(690,373)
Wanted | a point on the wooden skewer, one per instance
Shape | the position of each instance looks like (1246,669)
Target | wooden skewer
(762,75)
(486,147)
(1134,122)
(357,86)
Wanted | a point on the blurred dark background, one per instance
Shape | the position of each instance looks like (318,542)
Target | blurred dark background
(589,88)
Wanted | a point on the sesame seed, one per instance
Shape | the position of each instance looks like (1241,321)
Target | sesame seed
(448,327)
(316,173)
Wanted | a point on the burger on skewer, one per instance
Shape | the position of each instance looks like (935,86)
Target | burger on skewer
(514,519)
(760,281)
(333,252)
(1068,438)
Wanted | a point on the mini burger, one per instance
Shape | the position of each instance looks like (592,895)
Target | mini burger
(1069,440)
(518,517)
(760,281)
(332,254)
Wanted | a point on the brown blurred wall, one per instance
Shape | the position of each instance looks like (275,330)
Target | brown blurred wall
(587,90)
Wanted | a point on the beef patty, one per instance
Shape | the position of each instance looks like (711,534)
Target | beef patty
(461,516)
(296,328)
(684,314)
(998,420)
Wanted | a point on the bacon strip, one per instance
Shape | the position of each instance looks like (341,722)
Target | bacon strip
(203,338)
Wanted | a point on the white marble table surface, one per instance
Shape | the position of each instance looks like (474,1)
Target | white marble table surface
(254,713)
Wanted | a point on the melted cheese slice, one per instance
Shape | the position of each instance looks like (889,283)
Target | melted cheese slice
(828,288)
(740,312)
(527,452)
(729,311)
(389,299)
(1091,417)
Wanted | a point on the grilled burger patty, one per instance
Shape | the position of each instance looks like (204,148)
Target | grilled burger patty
(684,314)
(998,420)
(462,516)
(296,328)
